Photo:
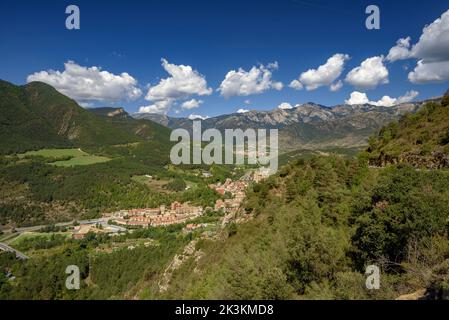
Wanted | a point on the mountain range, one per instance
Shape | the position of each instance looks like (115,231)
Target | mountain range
(307,126)
(37,116)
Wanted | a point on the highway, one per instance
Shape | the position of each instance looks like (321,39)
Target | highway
(102,221)
(61,224)
(19,254)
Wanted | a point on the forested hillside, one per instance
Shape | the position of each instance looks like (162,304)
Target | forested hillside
(420,139)
(38,189)
(36,116)
(315,227)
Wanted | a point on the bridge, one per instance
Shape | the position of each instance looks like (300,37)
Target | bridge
(7,248)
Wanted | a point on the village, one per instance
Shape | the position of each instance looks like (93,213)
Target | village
(233,193)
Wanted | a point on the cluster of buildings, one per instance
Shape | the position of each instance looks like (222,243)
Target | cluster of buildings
(234,193)
(161,216)
(235,189)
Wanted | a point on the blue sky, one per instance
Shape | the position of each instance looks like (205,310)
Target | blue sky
(214,38)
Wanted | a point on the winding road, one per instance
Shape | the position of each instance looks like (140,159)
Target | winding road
(19,254)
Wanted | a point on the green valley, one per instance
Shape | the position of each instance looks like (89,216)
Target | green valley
(224,159)
(307,232)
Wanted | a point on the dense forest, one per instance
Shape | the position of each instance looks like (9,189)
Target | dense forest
(318,224)
(420,139)
(311,232)
(36,116)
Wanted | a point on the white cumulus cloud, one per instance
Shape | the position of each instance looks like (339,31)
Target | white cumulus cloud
(242,110)
(183,83)
(255,81)
(277,86)
(429,72)
(386,101)
(336,86)
(285,106)
(197,117)
(89,83)
(295,84)
(371,73)
(191,104)
(433,45)
(400,51)
(324,75)
(160,107)
(357,98)
(431,51)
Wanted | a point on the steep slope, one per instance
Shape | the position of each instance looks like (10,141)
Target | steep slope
(35,115)
(420,139)
(69,119)
(20,128)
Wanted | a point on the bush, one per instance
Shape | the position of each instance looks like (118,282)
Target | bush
(232,229)
(176,185)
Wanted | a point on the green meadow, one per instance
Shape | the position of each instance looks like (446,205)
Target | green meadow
(68,157)
(82,161)
(55,153)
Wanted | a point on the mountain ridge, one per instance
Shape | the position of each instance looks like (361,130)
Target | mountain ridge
(310,125)
(36,115)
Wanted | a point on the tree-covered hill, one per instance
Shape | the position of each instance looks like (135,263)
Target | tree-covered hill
(36,115)
(311,231)
(420,139)
(22,129)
